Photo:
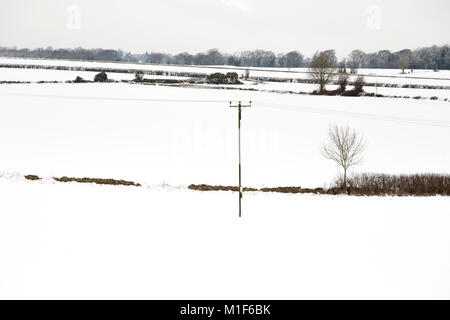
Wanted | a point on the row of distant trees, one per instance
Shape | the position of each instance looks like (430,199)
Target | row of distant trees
(435,57)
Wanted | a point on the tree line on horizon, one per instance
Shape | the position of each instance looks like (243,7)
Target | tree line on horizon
(435,57)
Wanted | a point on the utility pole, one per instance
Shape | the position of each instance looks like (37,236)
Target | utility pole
(239,106)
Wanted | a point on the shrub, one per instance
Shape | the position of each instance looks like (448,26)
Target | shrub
(322,70)
(342,80)
(359,84)
(217,78)
(400,185)
(247,74)
(79,79)
(233,77)
(101,77)
(138,76)
(327,92)
(220,78)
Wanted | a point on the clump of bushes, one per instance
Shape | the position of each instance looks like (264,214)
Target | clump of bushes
(399,185)
(79,79)
(101,77)
(372,94)
(325,92)
(357,90)
(220,78)
(359,84)
(138,76)
(342,79)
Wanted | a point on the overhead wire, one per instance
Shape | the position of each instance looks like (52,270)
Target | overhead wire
(263,104)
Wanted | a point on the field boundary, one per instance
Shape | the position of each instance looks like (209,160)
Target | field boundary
(363,190)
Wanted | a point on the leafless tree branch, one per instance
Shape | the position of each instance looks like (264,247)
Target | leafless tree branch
(345,147)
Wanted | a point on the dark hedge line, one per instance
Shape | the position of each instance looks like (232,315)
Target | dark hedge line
(364,184)
(352,83)
(399,185)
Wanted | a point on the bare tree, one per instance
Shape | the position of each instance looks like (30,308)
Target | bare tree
(246,74)
(403,63)
(359,84)
(293,59)
(345,147)
(342,79)
(322,70)
(356,60)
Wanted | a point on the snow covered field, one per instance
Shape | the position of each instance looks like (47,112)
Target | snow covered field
(163,241)
(86,241)
(179,136)
(383,76)
(35,75)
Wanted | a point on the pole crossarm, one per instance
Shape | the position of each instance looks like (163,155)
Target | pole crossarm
(239,105)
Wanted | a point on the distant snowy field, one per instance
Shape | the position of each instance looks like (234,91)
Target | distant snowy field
(35,75)
(179,136)
(387,76)
(441,78)
(163,241)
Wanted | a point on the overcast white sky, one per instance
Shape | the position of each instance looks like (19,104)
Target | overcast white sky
(229,25)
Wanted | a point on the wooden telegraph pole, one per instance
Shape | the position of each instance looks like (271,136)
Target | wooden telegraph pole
(239,106)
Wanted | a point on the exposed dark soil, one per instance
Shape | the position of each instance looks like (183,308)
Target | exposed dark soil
(98,181)
(205,187)
(363,190)
(32,177)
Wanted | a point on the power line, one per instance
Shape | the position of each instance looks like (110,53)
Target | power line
(316,110)
(360,115)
